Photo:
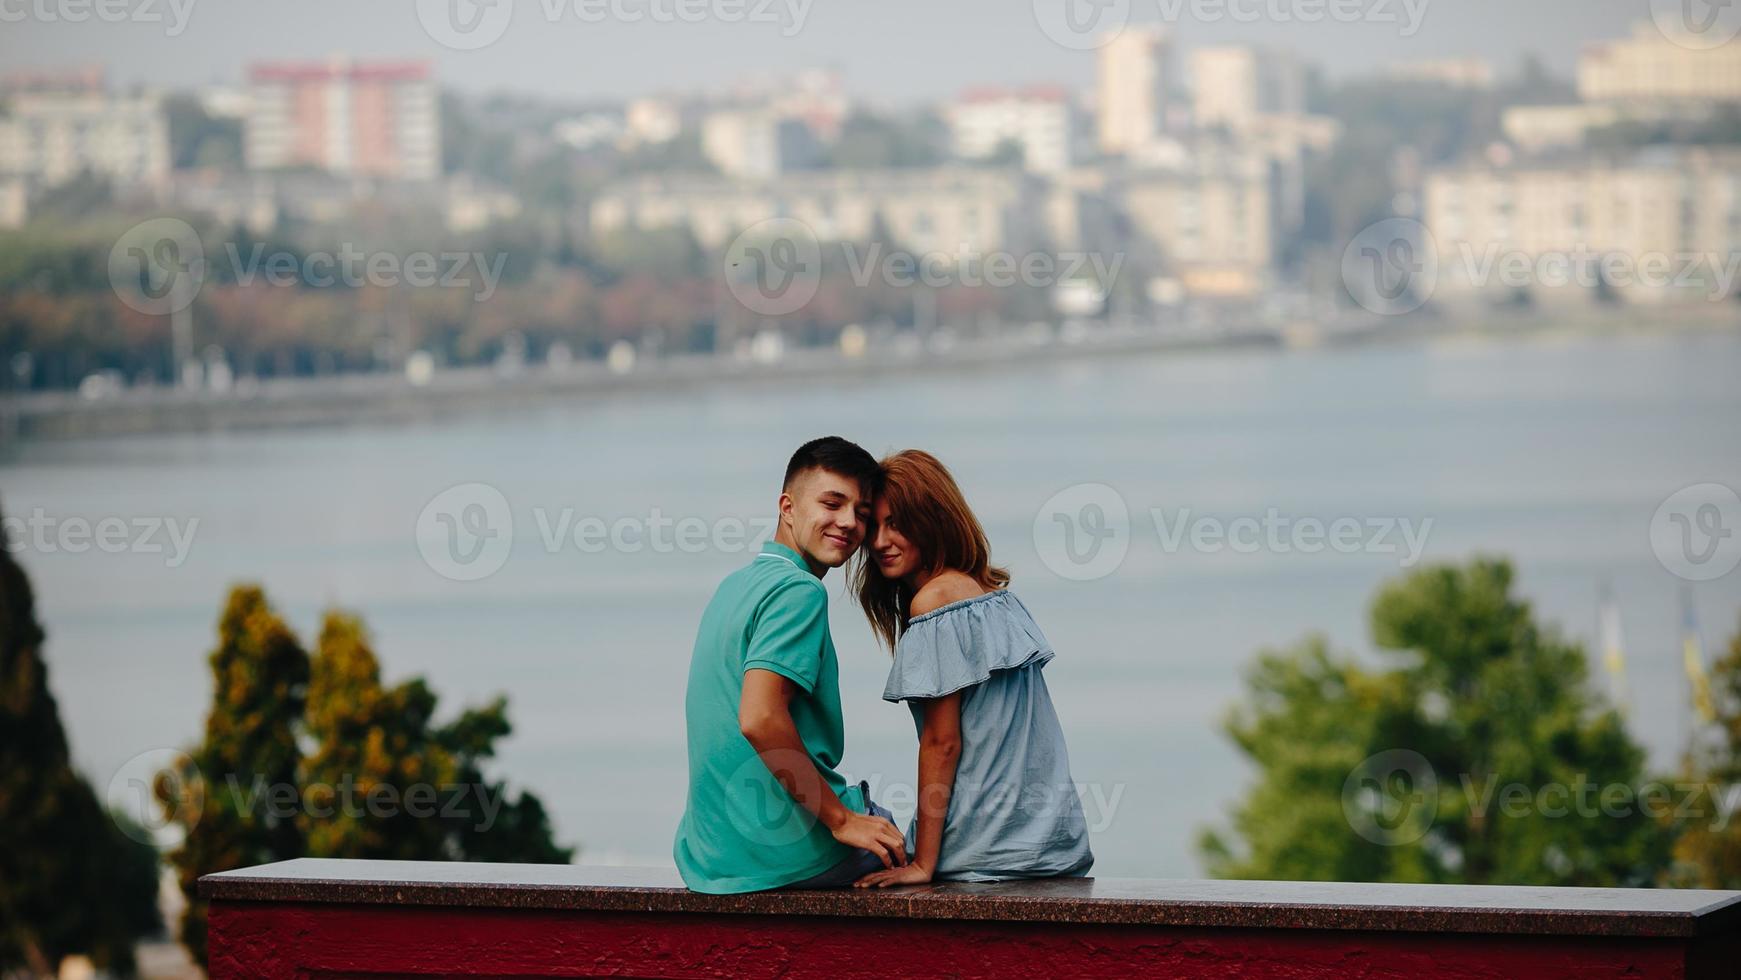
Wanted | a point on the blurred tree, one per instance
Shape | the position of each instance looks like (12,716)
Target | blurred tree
(1484,697)
(1708,848)
(198,139)
(312,756)
(249,755)
(396,785)
(871,142)
(72,880)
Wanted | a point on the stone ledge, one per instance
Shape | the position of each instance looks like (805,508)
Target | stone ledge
(1468,909)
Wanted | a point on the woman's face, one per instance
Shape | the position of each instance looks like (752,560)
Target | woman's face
(894,555)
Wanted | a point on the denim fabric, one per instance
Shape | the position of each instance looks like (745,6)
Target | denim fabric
(861,863)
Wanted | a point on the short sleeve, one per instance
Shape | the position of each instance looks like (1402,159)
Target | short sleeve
(961,645)
(790,632)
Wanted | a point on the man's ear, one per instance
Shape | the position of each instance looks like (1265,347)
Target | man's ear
(785,508)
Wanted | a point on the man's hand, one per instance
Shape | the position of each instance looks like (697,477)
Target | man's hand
(875,835)
(913,874)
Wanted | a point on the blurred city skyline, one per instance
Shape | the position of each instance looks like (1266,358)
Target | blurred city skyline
(893,53)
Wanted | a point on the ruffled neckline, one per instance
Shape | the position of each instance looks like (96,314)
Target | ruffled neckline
(958,604)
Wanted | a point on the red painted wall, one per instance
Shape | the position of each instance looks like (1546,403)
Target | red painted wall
(273,941)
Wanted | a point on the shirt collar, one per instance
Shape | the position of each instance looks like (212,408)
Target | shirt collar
(772,547)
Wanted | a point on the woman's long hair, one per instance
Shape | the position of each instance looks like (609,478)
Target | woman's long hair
(930,512)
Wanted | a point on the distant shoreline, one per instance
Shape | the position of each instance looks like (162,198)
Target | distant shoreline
(390,397)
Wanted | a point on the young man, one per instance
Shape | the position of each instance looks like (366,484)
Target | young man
(766,807)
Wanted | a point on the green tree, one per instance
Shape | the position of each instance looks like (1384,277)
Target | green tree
(259,684)
(71,879)
(197,139)
(380,745)
(1482,733)
(313,756)
(1708,846)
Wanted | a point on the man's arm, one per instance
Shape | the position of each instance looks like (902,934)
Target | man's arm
(765,719)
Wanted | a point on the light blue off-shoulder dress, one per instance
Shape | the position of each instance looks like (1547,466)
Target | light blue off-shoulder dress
(1014,812)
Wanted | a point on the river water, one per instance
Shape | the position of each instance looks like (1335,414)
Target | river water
(1556,451)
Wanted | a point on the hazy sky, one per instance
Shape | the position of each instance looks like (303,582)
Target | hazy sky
(893,50)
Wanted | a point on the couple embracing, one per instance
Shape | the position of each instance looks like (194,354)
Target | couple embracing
(767,806)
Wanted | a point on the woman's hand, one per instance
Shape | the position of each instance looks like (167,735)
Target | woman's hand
(913,873)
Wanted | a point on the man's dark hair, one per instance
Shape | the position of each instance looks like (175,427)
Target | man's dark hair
(836,455)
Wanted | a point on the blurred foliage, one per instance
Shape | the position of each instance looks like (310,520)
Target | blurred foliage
(870,141)
(1486,697)
(314,757)
(1721,127)
(1708,849)
(199,140)
(72,879)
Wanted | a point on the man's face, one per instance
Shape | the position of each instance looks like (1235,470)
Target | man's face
(828,514)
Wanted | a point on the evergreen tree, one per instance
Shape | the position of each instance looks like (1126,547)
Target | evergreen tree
(1480,699)
(243,771)
(71,880)
(314,756)
(384,781)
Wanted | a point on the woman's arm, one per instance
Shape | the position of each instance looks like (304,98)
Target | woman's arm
(939,752)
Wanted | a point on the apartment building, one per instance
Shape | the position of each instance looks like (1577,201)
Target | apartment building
(931,210)
(362,119)
(1653,226)
(1039,120)
(50,137)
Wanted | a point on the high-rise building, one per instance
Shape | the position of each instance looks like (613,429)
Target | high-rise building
(351,119)
(1136,81)
(1235,86)
(1038,120)
(1649,66)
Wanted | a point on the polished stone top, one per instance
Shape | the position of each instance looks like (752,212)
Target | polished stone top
(1489,909)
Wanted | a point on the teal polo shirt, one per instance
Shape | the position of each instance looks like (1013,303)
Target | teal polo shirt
(741,831)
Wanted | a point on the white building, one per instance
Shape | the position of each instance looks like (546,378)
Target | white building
(1537,128)
(929,210)
(52,137)
(1236,86)
(1645,227)
(1039,120)
(756,143)
(1211,220)
(1136,78)
(361,119)
(1649,66)
(1473,73)
(14,203)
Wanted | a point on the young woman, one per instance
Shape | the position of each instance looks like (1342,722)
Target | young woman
(996,799)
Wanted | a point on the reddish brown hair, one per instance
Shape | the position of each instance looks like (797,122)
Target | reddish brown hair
(927,505)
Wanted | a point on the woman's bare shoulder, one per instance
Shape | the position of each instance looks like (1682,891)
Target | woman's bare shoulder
(949,586)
